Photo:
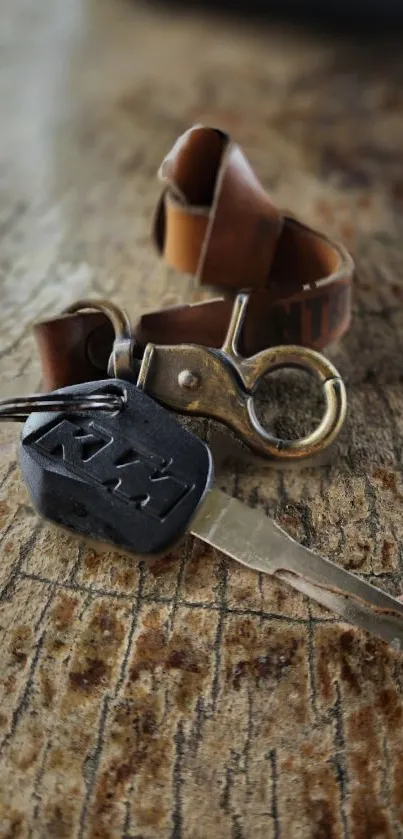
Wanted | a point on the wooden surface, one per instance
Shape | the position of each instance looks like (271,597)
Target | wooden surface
(192,698)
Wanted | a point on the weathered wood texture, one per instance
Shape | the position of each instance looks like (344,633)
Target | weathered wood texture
(194,698)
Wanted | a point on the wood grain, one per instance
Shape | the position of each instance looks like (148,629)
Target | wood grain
(190,697)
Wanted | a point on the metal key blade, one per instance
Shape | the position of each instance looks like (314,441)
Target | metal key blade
(253,539)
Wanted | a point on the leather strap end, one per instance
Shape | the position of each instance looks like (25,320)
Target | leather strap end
(73,348)
(214,218)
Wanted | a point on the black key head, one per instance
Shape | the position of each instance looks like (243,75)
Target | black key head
(133,478)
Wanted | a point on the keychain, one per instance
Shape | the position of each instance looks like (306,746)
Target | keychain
(105,458)
(108,462)
(286,296)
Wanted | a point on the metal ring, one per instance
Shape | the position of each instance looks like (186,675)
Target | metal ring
(20,408)
(120,365)
(335,402)
(117,316)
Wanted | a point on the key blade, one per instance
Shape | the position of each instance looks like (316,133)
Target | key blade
(254,540)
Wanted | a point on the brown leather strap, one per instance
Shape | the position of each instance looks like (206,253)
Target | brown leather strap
(215,220)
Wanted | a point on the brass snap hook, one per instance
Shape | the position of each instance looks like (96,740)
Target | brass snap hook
(221,384)
(252,370)
(120,365)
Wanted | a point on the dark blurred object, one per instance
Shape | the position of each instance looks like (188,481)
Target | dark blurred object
(364,13)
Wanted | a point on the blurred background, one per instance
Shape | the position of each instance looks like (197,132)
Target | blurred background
(364,13)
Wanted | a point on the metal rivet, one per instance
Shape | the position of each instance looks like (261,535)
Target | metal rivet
(188,380)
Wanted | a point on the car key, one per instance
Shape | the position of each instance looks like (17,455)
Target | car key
(134,477)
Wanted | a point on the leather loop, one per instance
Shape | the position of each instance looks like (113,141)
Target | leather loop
(74,348)
(215,207)
(215,220)
(238,240)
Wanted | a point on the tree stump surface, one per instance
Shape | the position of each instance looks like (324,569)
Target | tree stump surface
(190,697)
